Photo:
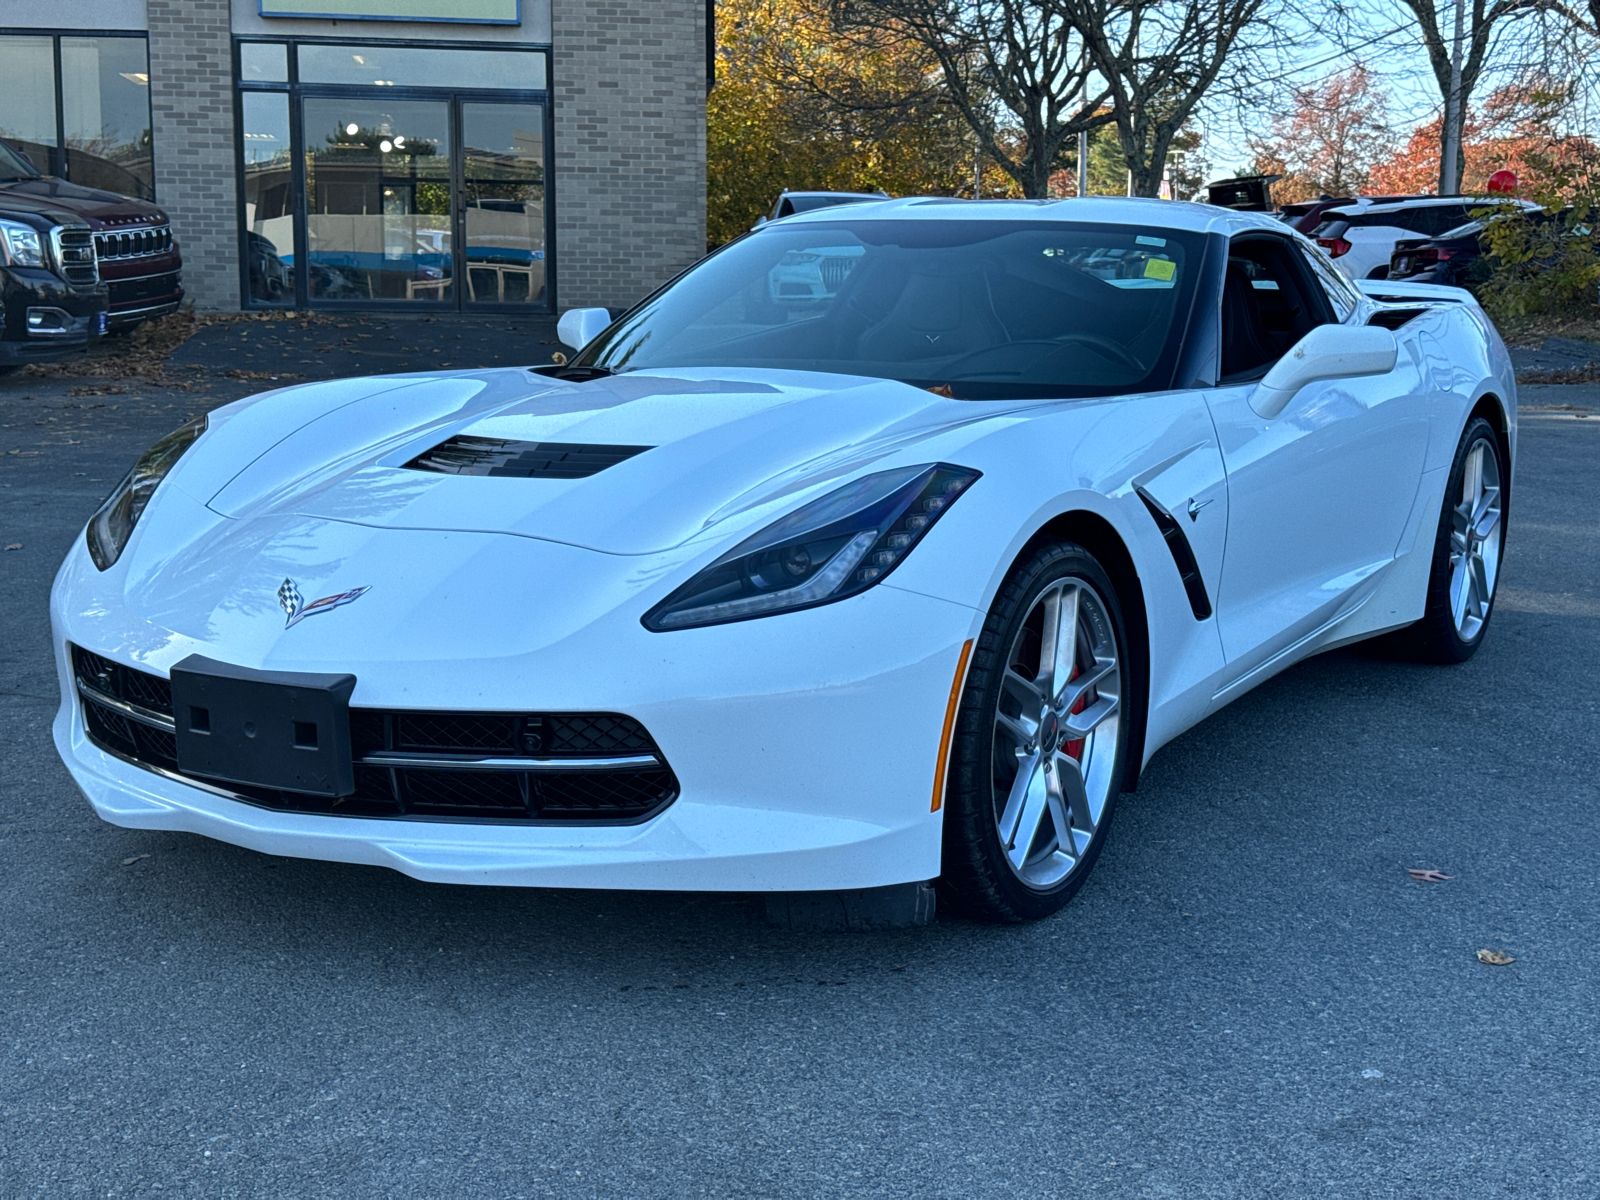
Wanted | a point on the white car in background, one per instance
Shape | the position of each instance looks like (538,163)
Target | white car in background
(1360,236)
(909,586)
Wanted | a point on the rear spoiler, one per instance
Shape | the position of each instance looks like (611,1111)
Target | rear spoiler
(1395,291)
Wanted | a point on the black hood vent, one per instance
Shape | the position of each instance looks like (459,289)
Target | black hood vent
(464,455)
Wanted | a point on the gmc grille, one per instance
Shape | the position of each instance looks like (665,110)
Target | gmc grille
(134,243)
(582,768)
(74,247)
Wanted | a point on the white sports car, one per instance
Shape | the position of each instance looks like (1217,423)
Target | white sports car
(904,583)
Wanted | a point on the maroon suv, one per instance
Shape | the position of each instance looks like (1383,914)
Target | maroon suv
(139,259)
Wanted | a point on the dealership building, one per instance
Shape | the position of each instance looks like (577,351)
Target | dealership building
(412,155)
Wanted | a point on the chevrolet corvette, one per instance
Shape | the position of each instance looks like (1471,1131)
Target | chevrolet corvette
(884,545)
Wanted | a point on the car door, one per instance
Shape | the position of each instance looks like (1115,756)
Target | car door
(1318,495)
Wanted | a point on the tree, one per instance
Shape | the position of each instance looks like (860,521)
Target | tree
(797,106)
(1327,142)
(1003,63)
(1160,59)
(1517,129)
(1487,38)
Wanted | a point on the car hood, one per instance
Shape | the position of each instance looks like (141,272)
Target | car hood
(720,443)
(48,195)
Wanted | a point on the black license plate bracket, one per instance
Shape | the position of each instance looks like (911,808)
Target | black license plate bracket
(287,730)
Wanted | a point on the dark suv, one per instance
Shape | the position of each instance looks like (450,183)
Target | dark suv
(52,302)
(133,243)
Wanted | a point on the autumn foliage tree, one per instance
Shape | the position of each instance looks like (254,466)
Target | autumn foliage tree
(1517,129)
(1328,140)
(798,106)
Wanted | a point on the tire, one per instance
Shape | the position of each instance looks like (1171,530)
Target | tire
(1461,585)
(998,778)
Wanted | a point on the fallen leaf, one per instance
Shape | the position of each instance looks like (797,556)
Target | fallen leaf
(1495,958)
(1427,875)
(14,546)
(128,862)
(943,390)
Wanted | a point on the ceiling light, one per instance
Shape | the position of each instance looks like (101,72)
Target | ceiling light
(386,145)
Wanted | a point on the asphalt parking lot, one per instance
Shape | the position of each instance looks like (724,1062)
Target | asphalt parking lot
(1250,998)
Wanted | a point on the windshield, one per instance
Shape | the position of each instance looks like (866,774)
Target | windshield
(13,167)
(988,309)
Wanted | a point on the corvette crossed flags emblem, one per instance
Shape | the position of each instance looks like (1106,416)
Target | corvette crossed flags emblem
(296,609)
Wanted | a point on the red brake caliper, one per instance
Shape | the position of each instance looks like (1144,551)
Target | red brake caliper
(1075,749)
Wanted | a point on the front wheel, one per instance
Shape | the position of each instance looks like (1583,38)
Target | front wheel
(1041,740)
(1468,544)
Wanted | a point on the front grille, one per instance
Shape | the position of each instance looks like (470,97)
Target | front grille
(129,713)
(835,270)
(466,455)
(124,293)
(74,247)
(134,243)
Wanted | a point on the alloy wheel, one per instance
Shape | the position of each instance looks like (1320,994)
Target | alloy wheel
(1475,540)
(1058,723)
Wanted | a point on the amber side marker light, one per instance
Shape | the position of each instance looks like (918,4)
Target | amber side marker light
(949,725)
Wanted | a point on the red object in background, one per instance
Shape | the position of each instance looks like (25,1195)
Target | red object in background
(1503,182)
(1335,246)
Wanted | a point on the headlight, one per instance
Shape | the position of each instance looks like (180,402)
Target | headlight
(832,548)
(22,245)
(110,527)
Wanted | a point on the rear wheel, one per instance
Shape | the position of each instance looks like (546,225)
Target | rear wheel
(1466,554)
(1041,740)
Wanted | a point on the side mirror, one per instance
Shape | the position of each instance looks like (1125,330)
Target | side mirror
(760,221)
(1327,352)
(580,326)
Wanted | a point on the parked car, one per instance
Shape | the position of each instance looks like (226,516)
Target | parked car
(788,203)
(52,302)
(855,601)
(1360,237)
(133,243)
(1307,215)
(1457,257)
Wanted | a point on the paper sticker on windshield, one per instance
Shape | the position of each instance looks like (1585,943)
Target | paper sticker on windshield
(1159,268)
(1150,241)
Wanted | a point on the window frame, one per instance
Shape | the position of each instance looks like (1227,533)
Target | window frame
(58,163)
(453,95)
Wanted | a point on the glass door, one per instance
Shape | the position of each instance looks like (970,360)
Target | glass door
(502,203)
(378,195)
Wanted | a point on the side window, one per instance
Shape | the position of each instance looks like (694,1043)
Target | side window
(1270,300)
(1341,294)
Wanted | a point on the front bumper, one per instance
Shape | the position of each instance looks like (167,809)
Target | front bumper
(68,319)
(804,744)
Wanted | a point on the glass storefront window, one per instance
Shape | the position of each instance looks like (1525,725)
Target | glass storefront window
(267,62)
(418,66)
(99,134)
(268,198)
(503,217)
(378,199)
(28,115)
(105,111)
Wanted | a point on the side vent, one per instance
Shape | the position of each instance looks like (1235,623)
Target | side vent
(464,455)
(1182,556)
(1394,318)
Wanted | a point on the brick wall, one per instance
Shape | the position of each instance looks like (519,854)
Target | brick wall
(191,112)
(630,120)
